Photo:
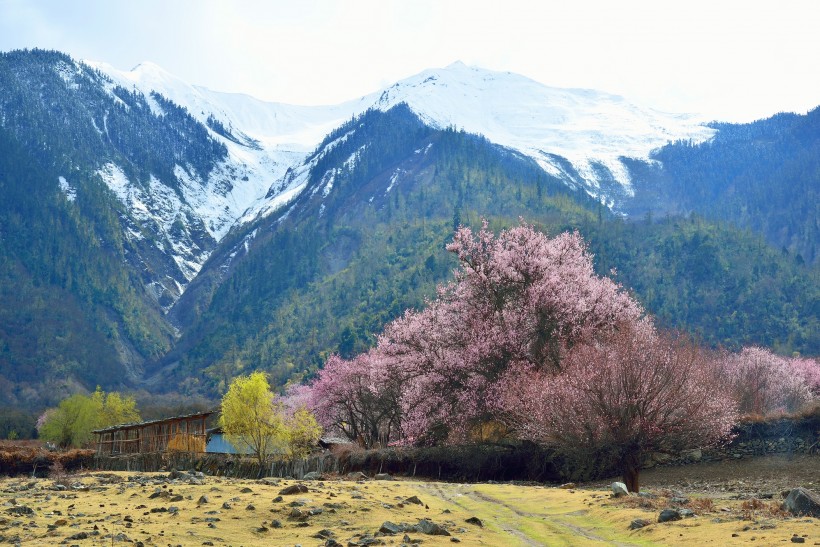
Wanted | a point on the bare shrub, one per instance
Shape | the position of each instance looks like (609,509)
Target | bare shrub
(754,508)
(702,505)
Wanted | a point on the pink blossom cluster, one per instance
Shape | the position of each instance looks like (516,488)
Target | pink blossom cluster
(764,383)
(639,391)
(357,398)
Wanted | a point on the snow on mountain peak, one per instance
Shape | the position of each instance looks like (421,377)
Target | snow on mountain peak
(577,135)
(589,128)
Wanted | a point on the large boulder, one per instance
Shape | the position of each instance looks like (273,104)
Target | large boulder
(619,489)
(668,515)
(293,489)
(426,526)
(802,502)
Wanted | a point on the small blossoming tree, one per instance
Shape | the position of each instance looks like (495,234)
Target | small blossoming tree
(637,392)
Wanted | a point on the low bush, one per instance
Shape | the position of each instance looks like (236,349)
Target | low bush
(29,458)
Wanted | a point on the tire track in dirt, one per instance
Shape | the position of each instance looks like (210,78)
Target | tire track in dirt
(437,490)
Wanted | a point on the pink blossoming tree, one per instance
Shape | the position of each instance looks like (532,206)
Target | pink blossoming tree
(765,383)
(619,399)
(358,399)
(520,299)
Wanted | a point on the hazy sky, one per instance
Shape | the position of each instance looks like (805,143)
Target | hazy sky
(732,60)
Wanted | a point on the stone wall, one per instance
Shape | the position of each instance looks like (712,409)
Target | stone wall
(799,435)
(216,464)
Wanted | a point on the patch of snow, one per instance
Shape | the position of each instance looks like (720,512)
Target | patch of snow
(69,191)
(393,178)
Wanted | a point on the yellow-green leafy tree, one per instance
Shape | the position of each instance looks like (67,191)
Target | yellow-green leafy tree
(73,420)
(254,419)
(304,432)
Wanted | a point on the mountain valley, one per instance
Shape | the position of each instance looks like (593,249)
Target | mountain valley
(162,237)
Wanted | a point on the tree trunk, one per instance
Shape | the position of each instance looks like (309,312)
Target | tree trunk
(630,471)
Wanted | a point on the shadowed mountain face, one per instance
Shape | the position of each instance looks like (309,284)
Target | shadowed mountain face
(162,236)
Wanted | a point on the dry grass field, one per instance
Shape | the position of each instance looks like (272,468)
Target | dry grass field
(154,509)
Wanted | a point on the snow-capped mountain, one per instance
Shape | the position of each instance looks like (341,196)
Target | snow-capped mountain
(589,129)
(575,134)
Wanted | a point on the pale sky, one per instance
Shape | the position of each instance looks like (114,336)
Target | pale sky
(729,60)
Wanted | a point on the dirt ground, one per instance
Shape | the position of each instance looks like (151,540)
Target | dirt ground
(184,509)
(743,478)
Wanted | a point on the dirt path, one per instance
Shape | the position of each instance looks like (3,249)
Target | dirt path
(528,518)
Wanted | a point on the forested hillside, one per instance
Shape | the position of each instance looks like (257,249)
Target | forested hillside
(764,176)
(70,313)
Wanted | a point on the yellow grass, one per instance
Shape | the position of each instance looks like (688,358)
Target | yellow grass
(512,515)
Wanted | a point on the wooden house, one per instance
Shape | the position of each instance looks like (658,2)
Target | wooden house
(180,433)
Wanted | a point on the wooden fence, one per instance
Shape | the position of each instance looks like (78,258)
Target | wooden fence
(217,464)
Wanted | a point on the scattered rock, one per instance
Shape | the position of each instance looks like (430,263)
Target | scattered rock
(637,524)
(567,486)
(294,489)
(312,476)
(476,521)
(202,500)
(20,510)
(246,490)
(80,535)
(324,534)
(390,529)
(365,539)
(413,499)
(298,514)
(694,455)
(269,481)
(619,489)
(798,539)
(802,502)
(356,476)
(384,477)
(427,526)
(226,505)
(668,515)
(275,524)
(277,499)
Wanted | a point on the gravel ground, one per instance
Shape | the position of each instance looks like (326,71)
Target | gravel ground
(744,478)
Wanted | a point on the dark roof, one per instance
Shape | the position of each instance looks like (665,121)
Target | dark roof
(153,422)
(330,441)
